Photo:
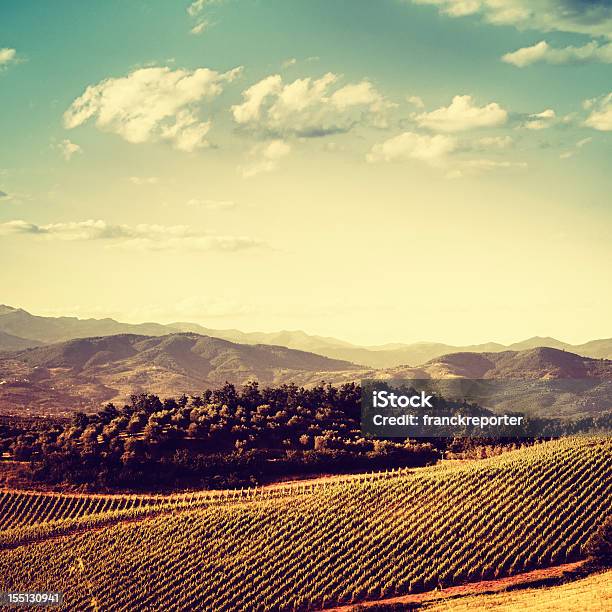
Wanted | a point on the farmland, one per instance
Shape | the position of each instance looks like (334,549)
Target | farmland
(311,546)
(592,593)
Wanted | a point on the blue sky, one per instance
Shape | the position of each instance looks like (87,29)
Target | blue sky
(312,145)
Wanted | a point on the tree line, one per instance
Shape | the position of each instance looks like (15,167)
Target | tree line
(225,437)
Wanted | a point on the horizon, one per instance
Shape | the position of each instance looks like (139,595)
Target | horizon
(362,181)
(311,334)
(309,304)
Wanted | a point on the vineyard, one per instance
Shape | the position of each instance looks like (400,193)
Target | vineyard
(310,546)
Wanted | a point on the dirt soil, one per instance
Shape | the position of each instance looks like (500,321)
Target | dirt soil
(524,580)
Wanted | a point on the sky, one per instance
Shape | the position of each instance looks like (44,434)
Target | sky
(389,171)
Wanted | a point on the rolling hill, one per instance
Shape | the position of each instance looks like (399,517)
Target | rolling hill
(20,323)
(421,352)
(543,382)
(311,545)
(81,374)
(535,363)
(392,355)
(8,342)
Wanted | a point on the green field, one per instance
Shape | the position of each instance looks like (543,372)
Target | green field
(332,542)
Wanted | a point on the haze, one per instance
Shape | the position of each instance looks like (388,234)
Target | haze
(328,166)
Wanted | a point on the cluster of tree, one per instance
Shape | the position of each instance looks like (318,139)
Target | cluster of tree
(599,546)
(225,437)
(481,448)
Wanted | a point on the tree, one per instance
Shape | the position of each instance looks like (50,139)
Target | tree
(80,420)
(599,545)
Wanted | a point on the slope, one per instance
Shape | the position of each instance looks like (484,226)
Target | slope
(21,323)
(336,543)
(8,342)
(81,374)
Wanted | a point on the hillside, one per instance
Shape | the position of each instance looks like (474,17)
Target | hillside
(20,323)
(421,352)
(8,342)
(84,373)
(536,363)
(81,374)
(391,355)
(295,339)
(543,381)
(591,593)
(315,545)
(532,364)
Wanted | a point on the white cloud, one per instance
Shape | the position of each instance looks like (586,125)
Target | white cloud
(7,56)
(251,109)
(137,237)
(541,121)
(581,143)
(212,204)
(600,117)
(266,157)
(443,151)
(200,27)
(592,17)
(463,114)
(415,101)
(527,55)
(549,113)
(144,180)
(430,149)
(68,149)
(491,164)
(309,107)
(289,62)
(196,7)
(152,104)
(478,166)
(543,52)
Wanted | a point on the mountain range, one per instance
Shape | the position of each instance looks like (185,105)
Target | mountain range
(20,329)
(84,373)
(56,365)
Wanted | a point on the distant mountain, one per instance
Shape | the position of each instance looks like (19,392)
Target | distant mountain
(296,339)
(537,363)
(534,364)
(21,323)
(82,374)
(8,342)
(401,354)
(597,349)
(394,354)
(384,356)
(18,322)
(418,353)
(538,341)
(541,381)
